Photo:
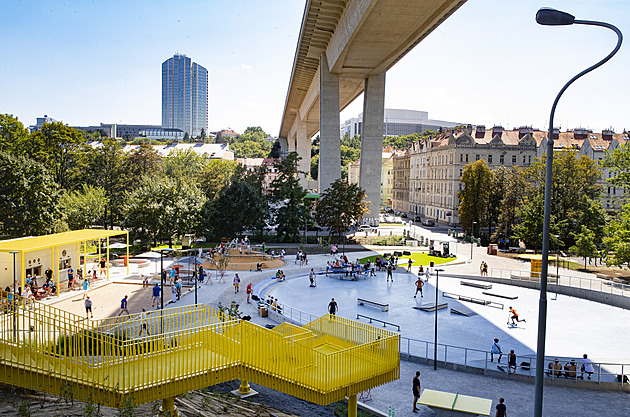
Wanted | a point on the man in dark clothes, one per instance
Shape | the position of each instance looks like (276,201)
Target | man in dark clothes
(416,391)
(332,307)
(501,410)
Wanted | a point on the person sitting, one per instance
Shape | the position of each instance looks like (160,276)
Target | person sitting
(587,367)
(512,361)
(554,367)
(238,314)
(47,287)
(570,369)
(259,267)
(274,304)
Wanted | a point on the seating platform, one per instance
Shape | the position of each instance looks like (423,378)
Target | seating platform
(476,285)
(431,307)
(508,297)
(375,304)
(463,311)
(449,404)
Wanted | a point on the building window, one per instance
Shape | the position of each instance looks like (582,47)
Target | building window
(460,172)
(466,157)
(476,157)
(461,157)
(490,159)
(502,159)
(513,159)
(529,160)
(523,159)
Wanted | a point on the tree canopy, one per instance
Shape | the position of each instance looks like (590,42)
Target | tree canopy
(340,205)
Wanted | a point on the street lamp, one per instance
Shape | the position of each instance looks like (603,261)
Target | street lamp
(557,257)
(13,299)
(343,221)
(162,273)
(551,17)
(472,239)
(437,283)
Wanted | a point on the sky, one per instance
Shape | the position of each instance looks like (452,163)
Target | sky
(91,62)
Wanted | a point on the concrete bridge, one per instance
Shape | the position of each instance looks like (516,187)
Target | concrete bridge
(345,48)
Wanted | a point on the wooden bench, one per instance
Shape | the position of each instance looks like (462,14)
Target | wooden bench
(375,304)
(449,404)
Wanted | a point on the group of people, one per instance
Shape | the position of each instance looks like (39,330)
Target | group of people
(556,369)
(301,258)
(280,275)
(495,349)
(273,304)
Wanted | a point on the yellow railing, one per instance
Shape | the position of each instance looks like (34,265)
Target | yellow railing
(163,353)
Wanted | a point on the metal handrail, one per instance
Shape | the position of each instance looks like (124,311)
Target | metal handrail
(385,323)
(480,359)
(592,284)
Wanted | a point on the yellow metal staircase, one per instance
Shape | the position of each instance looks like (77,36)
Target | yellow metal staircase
(169,352)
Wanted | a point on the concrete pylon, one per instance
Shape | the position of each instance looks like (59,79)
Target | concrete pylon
(329,141)
(372,144)
(304,151)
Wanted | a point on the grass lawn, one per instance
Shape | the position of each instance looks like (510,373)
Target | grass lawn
(419,258)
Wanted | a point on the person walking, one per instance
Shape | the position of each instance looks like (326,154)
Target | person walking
(237,283)
(123,306)
(178,285)
(427,274)
(416,391)
(409,265)
(156,295)
(88,308)
(495,349)
(501,409)
(333,307)
(311,278)
(85,286)
(143,323)
(419,285)
(249,292)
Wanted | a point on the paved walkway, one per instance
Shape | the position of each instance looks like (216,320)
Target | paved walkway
(397,394)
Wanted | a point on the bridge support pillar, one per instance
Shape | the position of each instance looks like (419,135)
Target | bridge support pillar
(352,405)
(304,151)
(372,144)
(329,140)
(168,407)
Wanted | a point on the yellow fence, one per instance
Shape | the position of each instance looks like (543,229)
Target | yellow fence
(164,353)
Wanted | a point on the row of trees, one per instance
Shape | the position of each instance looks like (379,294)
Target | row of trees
(53,181)
(509,204)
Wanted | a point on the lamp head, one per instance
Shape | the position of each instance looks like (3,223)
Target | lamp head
(553,17)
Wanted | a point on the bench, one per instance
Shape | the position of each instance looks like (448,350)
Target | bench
(375,304)
(455,404)
(473,300)
(476,285)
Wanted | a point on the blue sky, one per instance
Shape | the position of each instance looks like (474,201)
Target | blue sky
(87,62)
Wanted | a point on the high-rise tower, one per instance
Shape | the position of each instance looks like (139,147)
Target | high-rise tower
(184,95)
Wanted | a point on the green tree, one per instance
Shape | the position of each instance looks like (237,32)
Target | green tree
(85,207)
(474,198)
(216,175)
(141,162)
(203,135)
(584,244)
(618,164)
(315,166)
(107,170)
(341,204)
(617,239)
(13,135)
(163,208)
(28,197)
(63,150)
(238,207)
(184,164)
(290,210)
(530,217)
(515,191)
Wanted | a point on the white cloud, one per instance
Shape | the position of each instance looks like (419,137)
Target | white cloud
(247,67)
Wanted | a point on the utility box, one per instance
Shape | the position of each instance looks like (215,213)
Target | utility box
(492,249)
(262,311)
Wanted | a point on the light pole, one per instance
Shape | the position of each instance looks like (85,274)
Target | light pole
(557,257)
(437,283)
(13,299)
(162,273)
(551,17)
(472,239)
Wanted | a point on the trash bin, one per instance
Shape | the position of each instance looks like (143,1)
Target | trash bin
(262,311)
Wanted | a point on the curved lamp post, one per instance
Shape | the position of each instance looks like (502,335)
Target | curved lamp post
(551,17)
(435,342)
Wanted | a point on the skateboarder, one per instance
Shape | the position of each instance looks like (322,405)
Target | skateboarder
(419,285)
(311,278)
(514,317)
(390,268)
